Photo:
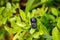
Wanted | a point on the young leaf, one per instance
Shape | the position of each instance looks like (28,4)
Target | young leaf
(36,35)
(28,16)
(10,30)
(54,11)
(23,15)
(32,31)
(55,34)
(15,26)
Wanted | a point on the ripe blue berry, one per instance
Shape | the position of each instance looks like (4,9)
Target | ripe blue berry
(33,22)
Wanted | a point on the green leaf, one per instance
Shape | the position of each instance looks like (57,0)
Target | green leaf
(13,19)
(16,36)
(44,20)
(16,27)
(22,35)
(4,20)
(55,34)
(44,1)
(36,35)
(58,22)
(32,31)
(43,30)
(28,16)
(19,35)
(50,17)
(6,13)
(28,6)
(21,24)
(54,11)
(33,13)
(10,30)
(48,37)
(8,6)
(23,15)
(41,11)
(46,9)
(1,9)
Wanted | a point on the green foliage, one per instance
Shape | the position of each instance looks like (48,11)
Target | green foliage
(54,11)
(28,6)
(17,22)
(55,34)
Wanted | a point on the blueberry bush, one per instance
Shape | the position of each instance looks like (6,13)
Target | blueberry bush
(29,19)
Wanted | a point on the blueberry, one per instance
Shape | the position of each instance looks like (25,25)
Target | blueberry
(33,25)
(33,22)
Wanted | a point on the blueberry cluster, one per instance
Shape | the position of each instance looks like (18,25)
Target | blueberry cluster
(33,22)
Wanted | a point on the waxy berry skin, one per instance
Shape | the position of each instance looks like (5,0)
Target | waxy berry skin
(33,22)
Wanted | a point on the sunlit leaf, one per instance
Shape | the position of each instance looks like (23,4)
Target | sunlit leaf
(21,36)
(32,31)
(54,11)
(21,24)
(10,30)
(23,15)
(8,6)
(43,0)
(15,26)
(16,36)
(36,35)
(55,34)
(28,16)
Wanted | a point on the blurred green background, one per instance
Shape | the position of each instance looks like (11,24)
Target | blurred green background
(15,18)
